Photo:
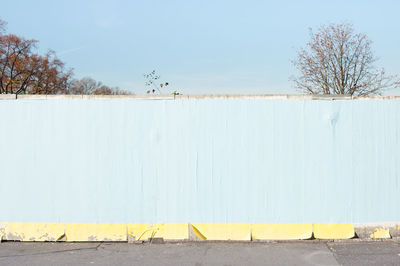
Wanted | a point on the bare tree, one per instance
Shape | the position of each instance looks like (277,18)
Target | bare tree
(23,71)
(88,85)
(50,77)
(85,85)
(106,90)
(16,65)
(337,60)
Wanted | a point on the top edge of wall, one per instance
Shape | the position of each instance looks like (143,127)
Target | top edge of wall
(200,96)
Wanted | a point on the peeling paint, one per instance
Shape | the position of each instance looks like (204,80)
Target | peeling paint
(32,231)
(380,233)
(95,232)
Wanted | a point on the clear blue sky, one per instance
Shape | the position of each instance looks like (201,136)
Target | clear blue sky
(198,46)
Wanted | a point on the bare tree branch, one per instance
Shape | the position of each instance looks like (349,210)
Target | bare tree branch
(336,60)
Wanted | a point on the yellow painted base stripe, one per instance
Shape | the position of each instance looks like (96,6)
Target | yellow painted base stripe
(281,231)
(167,231)
(32,231)
(95,232)
(333,231)
(15,231)
(223,231)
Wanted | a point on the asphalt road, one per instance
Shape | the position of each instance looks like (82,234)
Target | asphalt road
(201,253)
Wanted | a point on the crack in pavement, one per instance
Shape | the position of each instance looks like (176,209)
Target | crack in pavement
(332,250)
(51,252)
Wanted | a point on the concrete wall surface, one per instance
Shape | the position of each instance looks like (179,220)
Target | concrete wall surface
(204,160)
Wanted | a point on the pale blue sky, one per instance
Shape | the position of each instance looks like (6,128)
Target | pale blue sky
(198,46)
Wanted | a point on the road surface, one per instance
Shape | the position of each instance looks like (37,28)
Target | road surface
(350,252)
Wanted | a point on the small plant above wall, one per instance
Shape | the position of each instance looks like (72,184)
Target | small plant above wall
(153,85)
